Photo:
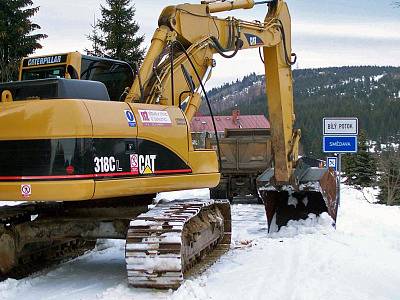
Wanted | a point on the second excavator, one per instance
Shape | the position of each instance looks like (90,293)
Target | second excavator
(87,166)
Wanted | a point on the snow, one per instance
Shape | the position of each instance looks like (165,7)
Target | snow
(159,263)
(9,203)
(142,223)
(304,260)
(313,225)
(390,145)
(378,77)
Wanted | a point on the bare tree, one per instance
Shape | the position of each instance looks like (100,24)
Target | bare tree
(389,164)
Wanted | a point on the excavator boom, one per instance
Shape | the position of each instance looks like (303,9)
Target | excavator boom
(181,57)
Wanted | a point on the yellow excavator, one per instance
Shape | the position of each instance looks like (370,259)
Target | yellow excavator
(87,165)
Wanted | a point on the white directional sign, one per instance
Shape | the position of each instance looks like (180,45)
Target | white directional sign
(340,126)
(332,162)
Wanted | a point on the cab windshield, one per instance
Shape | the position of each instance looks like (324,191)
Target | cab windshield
(115,75)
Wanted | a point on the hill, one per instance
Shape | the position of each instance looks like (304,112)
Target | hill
(370,93)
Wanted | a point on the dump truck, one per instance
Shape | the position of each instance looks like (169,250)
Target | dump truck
(245,154)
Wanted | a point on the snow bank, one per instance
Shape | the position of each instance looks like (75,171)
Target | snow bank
(191,290)
(9,203)
(312,225)
(306,260)
(189,194)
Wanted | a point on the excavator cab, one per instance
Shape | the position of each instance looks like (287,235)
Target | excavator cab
(116,75)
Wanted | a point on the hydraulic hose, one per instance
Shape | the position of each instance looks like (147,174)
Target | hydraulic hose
(207,100)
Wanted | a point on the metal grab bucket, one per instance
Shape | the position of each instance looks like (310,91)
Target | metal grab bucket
(315,191)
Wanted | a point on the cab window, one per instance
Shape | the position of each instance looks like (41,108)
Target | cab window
(115,75)
(43,73)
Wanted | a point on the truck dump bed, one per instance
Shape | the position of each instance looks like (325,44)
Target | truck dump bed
(245,154)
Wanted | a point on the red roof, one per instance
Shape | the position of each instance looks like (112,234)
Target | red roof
(204,123)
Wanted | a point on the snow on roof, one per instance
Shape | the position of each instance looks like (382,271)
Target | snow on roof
(204,123)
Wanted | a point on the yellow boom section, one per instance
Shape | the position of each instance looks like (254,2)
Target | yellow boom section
(190,36)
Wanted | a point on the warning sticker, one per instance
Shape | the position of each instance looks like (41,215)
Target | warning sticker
(26,190)
(155,118)
(130,117)
(134,158)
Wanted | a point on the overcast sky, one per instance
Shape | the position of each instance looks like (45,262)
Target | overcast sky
(325,32)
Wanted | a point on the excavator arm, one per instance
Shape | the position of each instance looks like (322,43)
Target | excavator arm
(181,57)
(187,39)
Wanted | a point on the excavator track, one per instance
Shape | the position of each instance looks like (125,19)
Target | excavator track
(35,257)
(175,240)
(47,256)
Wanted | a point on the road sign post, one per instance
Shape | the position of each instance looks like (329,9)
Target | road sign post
(339,136)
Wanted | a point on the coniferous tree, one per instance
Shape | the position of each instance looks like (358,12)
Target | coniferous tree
(119,32)
(360,168)
(365,167)
(389,182)
(16,35)
(96,39)
(348,166)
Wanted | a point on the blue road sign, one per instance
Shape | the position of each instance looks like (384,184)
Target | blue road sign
(340,144)
(332,162)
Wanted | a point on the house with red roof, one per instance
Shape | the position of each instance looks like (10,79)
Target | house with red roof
(202,126)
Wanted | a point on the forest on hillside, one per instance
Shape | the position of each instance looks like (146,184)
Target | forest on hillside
(370,93)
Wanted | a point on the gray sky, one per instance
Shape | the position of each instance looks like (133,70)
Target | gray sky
(325,33)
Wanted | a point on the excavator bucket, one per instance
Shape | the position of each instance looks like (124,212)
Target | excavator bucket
(316,191)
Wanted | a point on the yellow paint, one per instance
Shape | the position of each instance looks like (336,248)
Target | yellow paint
(109,120)
(27,120)
(154,184)
(193,25)
(6,96)
(67,190)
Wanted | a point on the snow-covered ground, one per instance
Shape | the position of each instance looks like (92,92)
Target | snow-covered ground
(306,260)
